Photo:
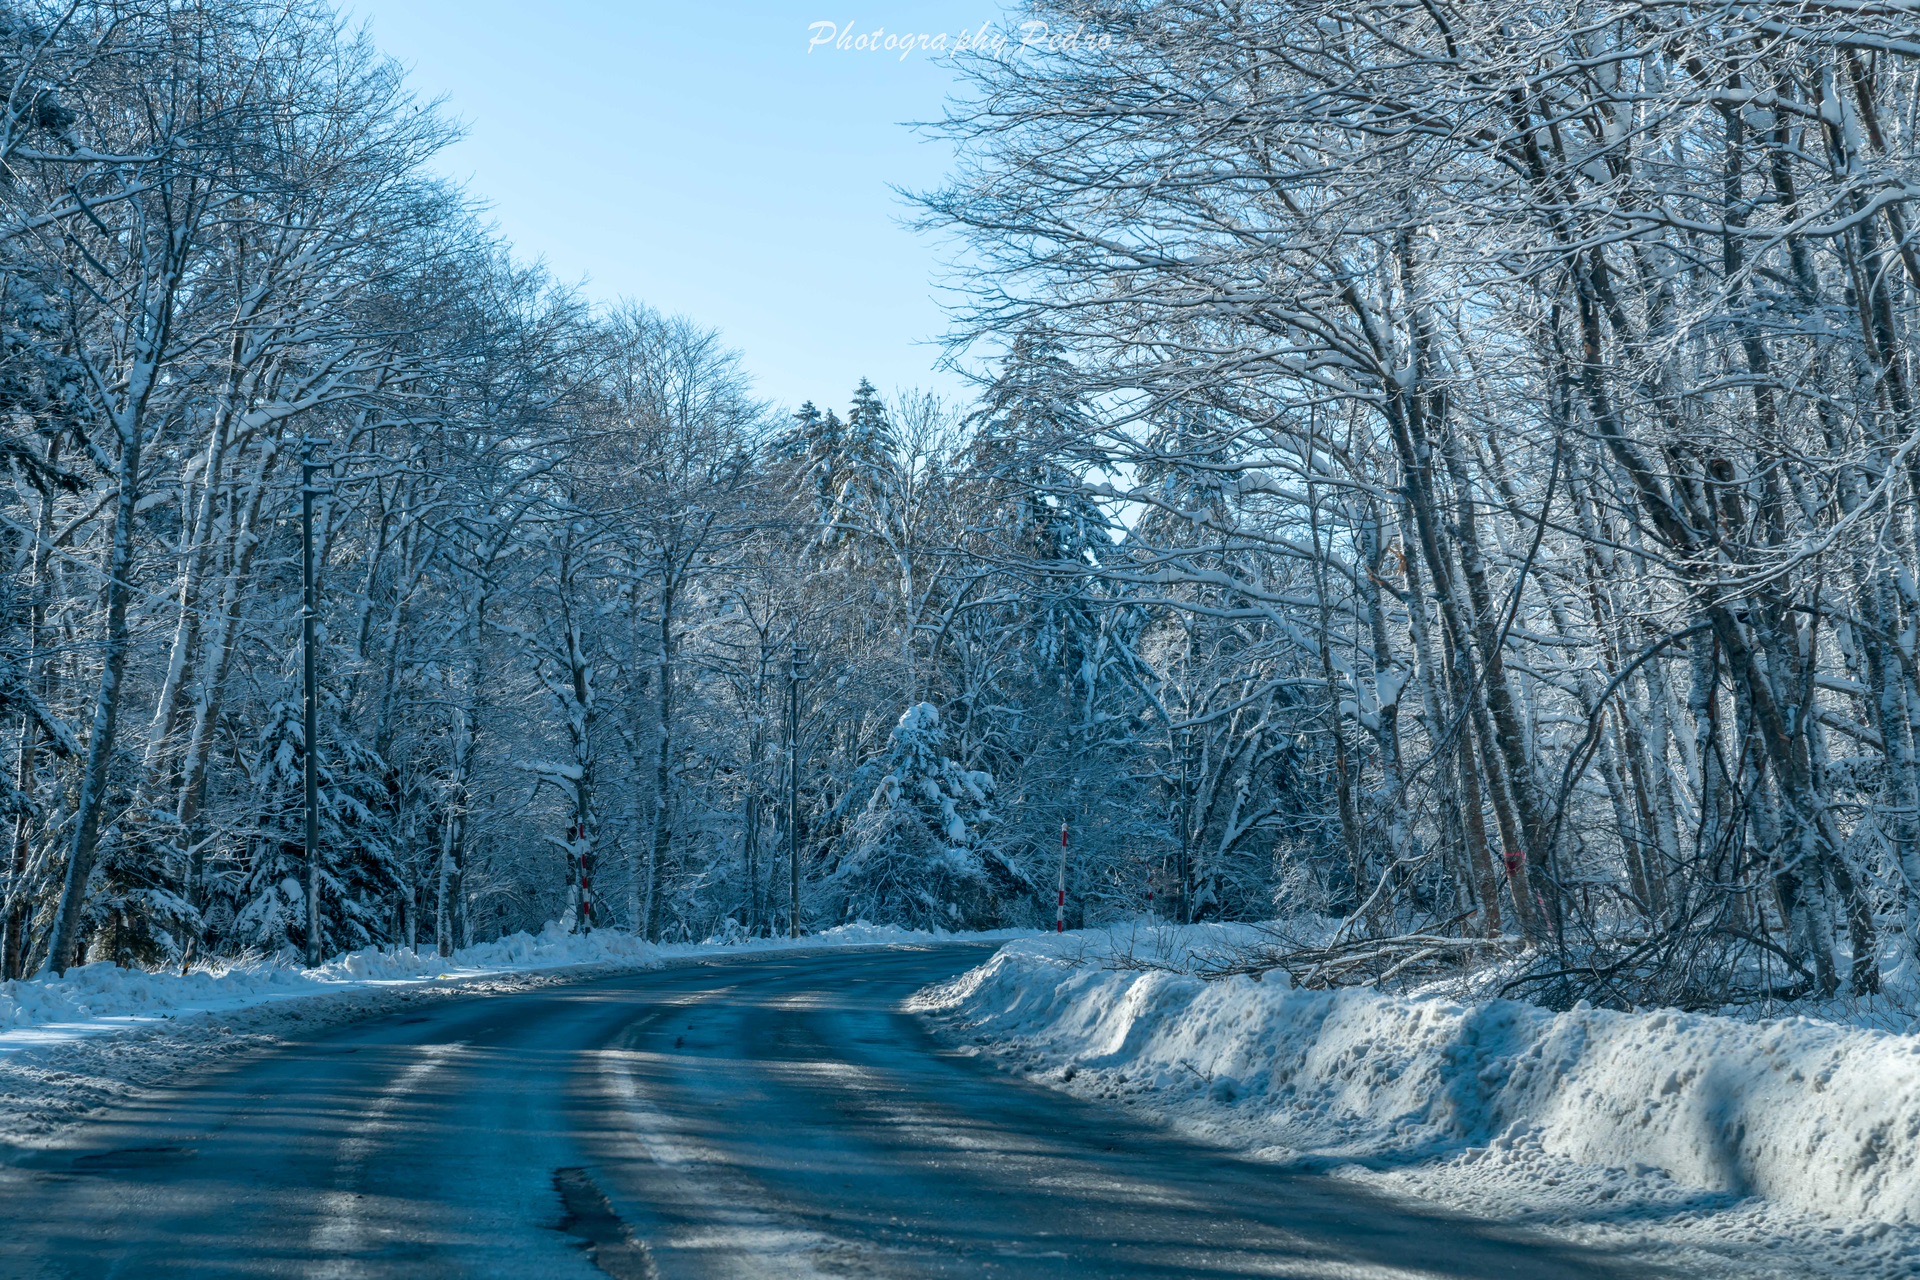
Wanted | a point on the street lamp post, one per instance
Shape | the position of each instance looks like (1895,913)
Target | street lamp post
(798,662)
(310,694)
(756,805)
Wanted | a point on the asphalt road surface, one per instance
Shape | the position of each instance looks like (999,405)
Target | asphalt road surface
(759,1116)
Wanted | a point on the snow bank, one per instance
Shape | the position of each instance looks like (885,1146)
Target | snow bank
(100,999)
(1819,1117)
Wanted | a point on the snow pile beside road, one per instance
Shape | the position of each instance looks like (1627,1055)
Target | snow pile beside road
(99,999)
(1819,1117)
(105,997)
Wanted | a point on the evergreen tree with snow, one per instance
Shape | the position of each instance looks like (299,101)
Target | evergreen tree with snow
(819,444)
(865,479)
(920,854)
(1029,423)
(360,871)
(795,445)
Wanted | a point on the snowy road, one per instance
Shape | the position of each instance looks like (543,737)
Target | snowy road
(755,1116)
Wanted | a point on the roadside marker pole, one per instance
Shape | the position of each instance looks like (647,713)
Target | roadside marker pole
(1060,908)
(585,854)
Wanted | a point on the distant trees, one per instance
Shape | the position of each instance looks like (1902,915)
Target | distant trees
(564,555)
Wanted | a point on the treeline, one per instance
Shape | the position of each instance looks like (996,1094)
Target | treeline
(1451,468)
(564,557)
(1518,405)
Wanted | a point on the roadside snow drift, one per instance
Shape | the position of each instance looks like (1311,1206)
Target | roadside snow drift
(98,999)
(1818,1117)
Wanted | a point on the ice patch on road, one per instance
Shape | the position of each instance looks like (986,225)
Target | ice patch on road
(714,1219)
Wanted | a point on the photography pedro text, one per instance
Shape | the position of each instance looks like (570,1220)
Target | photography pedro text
(850,37)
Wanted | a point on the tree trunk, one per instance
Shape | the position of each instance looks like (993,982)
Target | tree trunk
(91,804)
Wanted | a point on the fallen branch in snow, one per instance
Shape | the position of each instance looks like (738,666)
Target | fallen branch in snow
(1370,961)
(1253,950)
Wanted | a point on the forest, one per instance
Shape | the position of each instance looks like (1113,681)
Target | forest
(1448,468)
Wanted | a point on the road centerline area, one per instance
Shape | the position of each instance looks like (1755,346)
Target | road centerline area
(778,1115)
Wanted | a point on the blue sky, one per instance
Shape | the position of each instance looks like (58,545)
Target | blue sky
(697,157)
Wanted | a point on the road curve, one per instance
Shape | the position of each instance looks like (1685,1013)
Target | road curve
(772,1115)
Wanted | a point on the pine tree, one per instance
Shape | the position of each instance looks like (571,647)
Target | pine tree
(822,444)
(864,481)
(1029,424)
(360,869)
(920,853)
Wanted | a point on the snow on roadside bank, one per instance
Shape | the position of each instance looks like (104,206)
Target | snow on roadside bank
(100,999)
(103,999)
(1493,1106)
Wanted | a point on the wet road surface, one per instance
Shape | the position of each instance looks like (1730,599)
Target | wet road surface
(771,1115)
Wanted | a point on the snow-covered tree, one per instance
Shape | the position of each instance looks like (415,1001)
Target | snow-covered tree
(921,853)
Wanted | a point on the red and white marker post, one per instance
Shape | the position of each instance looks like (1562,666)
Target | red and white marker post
(1060,909)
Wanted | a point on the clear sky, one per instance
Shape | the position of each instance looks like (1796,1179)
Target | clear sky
(700,158)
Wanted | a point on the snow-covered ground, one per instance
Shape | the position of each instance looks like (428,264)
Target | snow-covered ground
(72,1045)
(1753,1147)
(1776,1147)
